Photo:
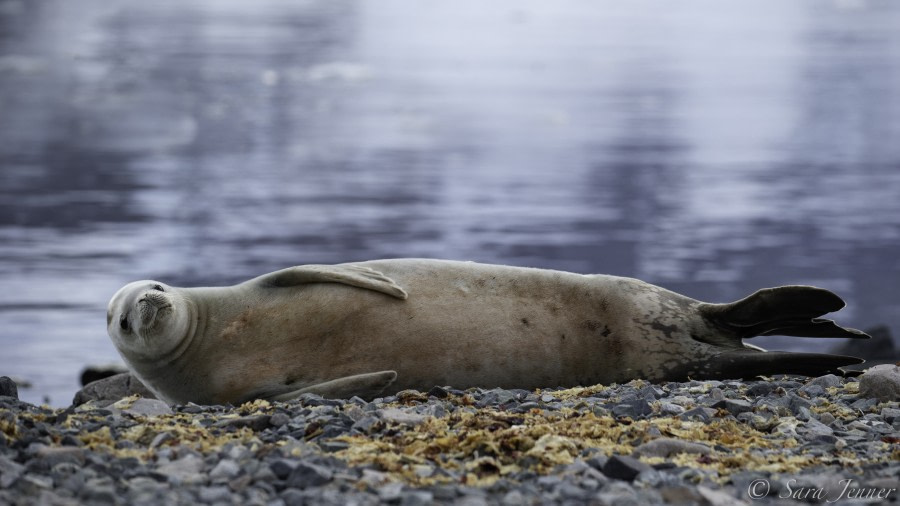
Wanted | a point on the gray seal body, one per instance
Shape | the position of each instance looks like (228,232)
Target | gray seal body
(377,327)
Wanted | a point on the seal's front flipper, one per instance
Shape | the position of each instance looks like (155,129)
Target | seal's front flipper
(347,274)
(751,363)
(366,386)
(784,311)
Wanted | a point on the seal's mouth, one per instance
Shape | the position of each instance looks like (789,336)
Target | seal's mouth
(150,305)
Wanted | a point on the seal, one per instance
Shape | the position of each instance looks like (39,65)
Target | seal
(377,327)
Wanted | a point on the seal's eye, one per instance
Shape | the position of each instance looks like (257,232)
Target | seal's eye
(158,288)
(123,323)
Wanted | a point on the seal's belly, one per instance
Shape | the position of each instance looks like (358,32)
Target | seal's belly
(462,325)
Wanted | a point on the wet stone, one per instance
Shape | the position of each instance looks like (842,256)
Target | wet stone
(50,456)
(795,402)
(526,406)
(282,468)
(733,406)
(279,419)
(255,423)
(307,474)
(760,389)
(214,494)
(633,409)
(864,403)
(8,387)
(621,467)
(399,416)
(700,413)
(366,424)
(9,471)
(224,470)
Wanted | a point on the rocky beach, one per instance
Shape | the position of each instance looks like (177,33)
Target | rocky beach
(775,440)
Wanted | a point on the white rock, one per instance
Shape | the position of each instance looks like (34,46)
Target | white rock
(881,382)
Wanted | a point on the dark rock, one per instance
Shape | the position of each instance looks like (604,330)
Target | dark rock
(813,390)
(307,474)
(703,413)
(256,423)
(94,373)
(621,467)
(733,406)
(112,389)
(50,456)
(890,414)
(282,468)
(366,424)
(651,392)
(795,402)
(824,439)
(526,406)
(633,408)
(8,387)
(864,403)
(827,381)
(333,446)
(279,419)
(761,388)
(597,461)
(496,397)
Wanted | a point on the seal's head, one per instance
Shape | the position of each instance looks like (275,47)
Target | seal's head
(146,320)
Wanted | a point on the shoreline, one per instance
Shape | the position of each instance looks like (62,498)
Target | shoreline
(696,442)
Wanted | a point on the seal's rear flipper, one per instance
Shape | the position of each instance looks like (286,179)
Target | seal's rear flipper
(366,386)
(785,311)
(751,363)
(347,274)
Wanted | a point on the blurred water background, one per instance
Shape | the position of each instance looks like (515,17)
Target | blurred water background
(710,147)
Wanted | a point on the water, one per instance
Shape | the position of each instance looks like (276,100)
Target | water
(713,148)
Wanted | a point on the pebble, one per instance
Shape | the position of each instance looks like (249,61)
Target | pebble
(400,416)
(733,406)
(141,407)
(881,382)
(622,467)
(666,447)
(224,470)
(8,387)
(701,413)
(307,474)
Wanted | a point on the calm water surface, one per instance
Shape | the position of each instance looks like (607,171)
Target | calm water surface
(713,148)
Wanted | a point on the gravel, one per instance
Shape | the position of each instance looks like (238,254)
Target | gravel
(696,442)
